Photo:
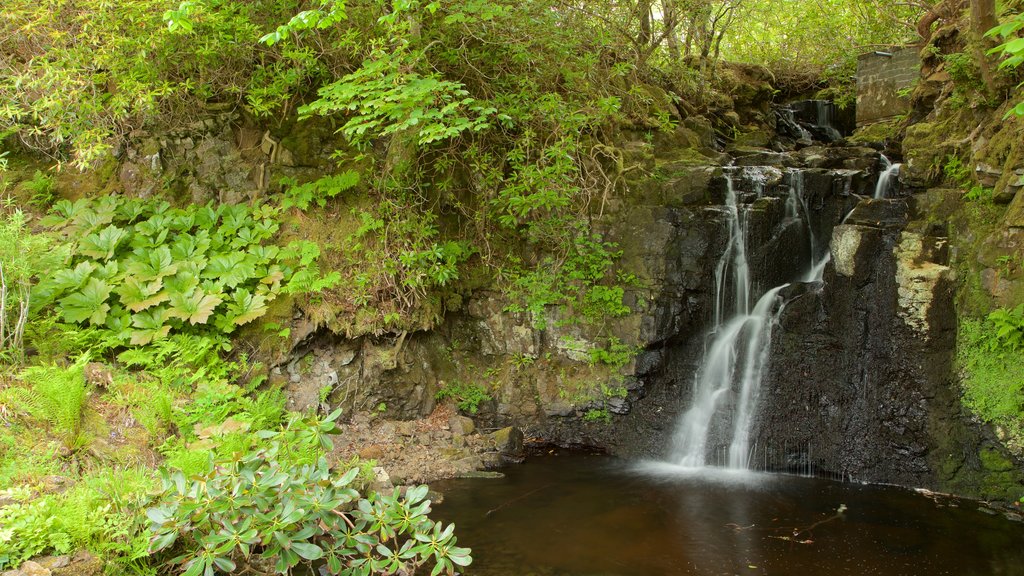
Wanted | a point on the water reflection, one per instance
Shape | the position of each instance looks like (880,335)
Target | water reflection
(586,515)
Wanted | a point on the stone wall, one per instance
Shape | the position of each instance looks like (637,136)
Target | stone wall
(880,77)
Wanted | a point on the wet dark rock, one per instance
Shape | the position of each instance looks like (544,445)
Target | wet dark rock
(509,442)
(620,406)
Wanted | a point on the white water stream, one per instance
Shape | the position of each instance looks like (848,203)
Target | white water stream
(728,382)
(887,178)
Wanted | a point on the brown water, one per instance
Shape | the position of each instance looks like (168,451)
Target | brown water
(575,515)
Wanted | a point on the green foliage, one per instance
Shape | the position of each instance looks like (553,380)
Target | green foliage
(467,397)
(85,75)
(955,170)
(1009,329)
(385,97)
(575,283)
(615,355)
(99,513)
(811,35)
(56,396)
(262,507)
(398,257)
(141,269)
(318,191)
(1011,50)
(24,257)
(959,174)
(41,189)
(991,359)
(597,415)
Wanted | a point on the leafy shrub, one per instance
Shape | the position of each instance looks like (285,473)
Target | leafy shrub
(467,397)
(597,415)
(399,257)
(142,269)
(956,171)
(576,282)
(616,354)
(318,191)
(41,189)
(1011,50)
(24,256)
(86,75)
(262,508)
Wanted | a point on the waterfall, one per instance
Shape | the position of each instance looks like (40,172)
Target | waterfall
(734,361)
(887,178)
(824,113)
(758,326)
(796,207)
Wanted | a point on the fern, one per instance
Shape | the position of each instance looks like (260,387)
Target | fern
(56,396)
(183,360)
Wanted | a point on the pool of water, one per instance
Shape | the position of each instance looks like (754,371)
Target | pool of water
(578,515)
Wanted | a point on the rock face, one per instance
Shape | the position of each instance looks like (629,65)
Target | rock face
(860,373)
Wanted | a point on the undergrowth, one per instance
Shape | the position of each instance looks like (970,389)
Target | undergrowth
(991,359)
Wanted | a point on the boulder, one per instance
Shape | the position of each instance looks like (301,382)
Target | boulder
(509,441)
(461,425)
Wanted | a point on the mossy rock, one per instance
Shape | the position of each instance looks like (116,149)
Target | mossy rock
(926,151)
(877,133)
(992,460)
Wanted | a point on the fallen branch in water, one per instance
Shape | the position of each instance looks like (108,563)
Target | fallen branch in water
(516,499)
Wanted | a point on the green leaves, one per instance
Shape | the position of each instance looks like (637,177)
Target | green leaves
(149,326)
(1012,50)
(318,191)
(260,507)
(89,303)
(1009,329)
(246,307)
(194,308)
(386,96)
(103,244)
(137,295)
(153,269)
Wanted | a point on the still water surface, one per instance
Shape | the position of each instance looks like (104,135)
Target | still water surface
(578,515)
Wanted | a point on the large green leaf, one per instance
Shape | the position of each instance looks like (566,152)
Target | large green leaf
(184,280)
(149,326)
(246,307)
(154,264)
(230,269)
(104,243)
(194,308)
(73,278)
(138,295)
(89,303)
(190,247)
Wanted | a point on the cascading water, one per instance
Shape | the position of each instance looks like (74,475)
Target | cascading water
(824,109)
(738,353)
(728,381)
(887,178)
(796,207)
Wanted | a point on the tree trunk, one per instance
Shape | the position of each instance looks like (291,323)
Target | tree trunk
(644,12)
(671,22)
(983,19)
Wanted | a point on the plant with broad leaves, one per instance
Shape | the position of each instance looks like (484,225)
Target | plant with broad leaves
(266,509)
(143,269)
